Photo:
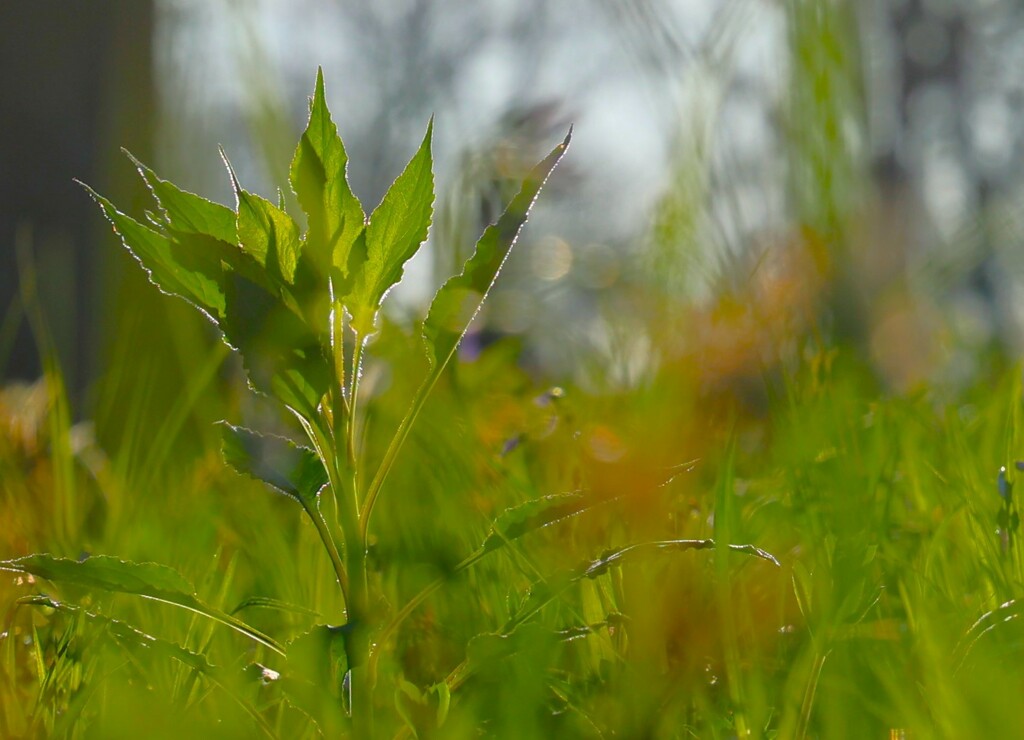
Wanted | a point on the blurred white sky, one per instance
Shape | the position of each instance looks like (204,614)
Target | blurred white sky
(657,90)
(629,76)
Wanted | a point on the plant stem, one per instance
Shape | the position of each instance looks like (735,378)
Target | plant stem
(358,645)
(338,352)
(355,542)
(341,406)
(353,395)
(321,442)
(332,551)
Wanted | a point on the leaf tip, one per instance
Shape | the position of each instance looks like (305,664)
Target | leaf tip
(319,94)
(98,199)
(428,137)
(231,171)
(134,160)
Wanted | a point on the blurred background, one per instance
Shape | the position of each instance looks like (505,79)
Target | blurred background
(716,143)
(781,261)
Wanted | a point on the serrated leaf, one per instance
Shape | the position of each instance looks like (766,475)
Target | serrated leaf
(284,466)
(265,232)
(529,516)
(187,212)
(263,228)
(395,232)
(104,572)
(171,268)
(203,228)
(148,580)
(459,299)
(126,635)
(513,523)
(317,176)
(281,354)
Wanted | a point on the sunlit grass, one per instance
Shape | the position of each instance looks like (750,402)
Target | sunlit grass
(883,510)
(760,415)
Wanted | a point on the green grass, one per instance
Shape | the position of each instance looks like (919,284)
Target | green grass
(892,610)
(883,511)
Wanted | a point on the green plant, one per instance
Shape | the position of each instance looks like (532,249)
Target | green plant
(301,309)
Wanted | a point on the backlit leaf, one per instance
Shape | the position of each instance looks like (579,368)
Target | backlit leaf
(128,636)
(459,299)
(266,232)
(396,230)
(281,354)
(148,580)
(318,178)
(293,470)
(171,267)
(187,212)
(104,572)
(201,227)
(538,513)
(513,523)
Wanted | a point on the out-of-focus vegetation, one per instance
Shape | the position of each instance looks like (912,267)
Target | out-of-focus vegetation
(809,346)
